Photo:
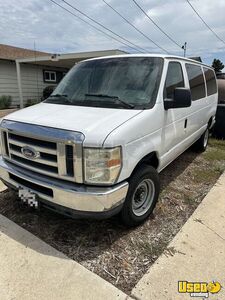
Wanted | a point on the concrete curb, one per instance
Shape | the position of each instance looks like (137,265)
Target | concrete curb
(196,253)
(2,187)
(31,269)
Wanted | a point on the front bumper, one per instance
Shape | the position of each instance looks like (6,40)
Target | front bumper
(65,196)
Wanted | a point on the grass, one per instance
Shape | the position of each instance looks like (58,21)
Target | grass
(188,199)
(149,249)
(220,169)
(220,144)
(216,150)
(215,155)
(209,170)
(206,175)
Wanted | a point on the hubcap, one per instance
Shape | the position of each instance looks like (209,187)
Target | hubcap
(206,137)
(143,197)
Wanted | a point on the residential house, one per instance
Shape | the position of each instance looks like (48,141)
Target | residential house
(25,73)
(34,78)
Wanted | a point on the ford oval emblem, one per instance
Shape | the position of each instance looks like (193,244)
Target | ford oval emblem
(30,152)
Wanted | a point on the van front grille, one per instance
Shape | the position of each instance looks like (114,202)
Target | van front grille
(31,141)
(43,163)
(49,160)
(35,164)
(5,143)
(45,150)
(69,160)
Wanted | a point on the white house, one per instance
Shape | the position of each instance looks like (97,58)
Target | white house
(25,73)
(33,77)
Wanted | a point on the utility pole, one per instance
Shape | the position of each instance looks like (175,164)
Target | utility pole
(184,47)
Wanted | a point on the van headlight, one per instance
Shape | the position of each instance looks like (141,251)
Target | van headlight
(102,166)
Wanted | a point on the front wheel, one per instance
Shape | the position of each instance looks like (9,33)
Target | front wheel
(142,196)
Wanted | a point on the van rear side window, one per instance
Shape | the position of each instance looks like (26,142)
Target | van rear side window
(210,81)
(196,81)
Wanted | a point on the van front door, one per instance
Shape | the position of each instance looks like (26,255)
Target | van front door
(175,125)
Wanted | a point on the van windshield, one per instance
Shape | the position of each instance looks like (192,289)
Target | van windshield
(127,82)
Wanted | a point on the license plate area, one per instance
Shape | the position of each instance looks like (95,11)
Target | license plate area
(28,197)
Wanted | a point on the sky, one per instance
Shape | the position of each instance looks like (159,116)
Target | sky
(51,29)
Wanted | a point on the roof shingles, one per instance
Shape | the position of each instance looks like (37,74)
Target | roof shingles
(12,53)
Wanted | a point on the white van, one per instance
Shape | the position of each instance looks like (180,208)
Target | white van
(95,147)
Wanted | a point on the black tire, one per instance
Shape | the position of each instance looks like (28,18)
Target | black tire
(202,143)
(145,177)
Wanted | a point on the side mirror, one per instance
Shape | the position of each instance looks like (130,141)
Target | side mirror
(182,98)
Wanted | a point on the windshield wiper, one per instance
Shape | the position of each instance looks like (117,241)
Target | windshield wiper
(116,98)
(60,97)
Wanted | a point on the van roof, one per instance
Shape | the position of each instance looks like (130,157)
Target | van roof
(165,56)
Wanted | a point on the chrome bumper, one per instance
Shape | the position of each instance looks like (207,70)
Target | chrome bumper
(73,196)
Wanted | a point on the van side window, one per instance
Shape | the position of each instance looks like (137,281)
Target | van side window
(174,79)
(196,81)
(210,81)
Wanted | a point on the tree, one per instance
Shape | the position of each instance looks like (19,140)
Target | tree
(217,65)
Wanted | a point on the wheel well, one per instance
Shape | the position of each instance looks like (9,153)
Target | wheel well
(150,159)
(210,122)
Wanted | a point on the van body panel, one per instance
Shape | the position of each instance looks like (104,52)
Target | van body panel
(94,122)
(168,133)
(131,131)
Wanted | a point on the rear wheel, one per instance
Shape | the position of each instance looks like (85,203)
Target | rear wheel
(202,143)
(142,196)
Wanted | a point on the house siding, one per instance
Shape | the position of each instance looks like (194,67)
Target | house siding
(31,79)
(8,80)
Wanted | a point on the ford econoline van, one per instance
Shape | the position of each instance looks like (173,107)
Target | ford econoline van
(95,147)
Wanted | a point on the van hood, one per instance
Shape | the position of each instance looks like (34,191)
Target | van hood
(95,123)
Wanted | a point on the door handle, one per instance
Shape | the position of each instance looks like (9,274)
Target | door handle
(185,123)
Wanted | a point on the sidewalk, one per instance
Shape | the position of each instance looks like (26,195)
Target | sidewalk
(32,270)
(197,253)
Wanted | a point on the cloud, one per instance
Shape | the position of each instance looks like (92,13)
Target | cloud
(56,31)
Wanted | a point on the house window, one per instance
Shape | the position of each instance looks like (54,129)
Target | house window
(49,76)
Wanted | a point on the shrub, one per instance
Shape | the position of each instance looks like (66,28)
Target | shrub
(47,91)
(31,102)
(5,101)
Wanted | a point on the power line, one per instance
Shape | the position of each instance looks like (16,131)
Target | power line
(96,28)
(218,37)
(126,20)
(104,27)
(166,34)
